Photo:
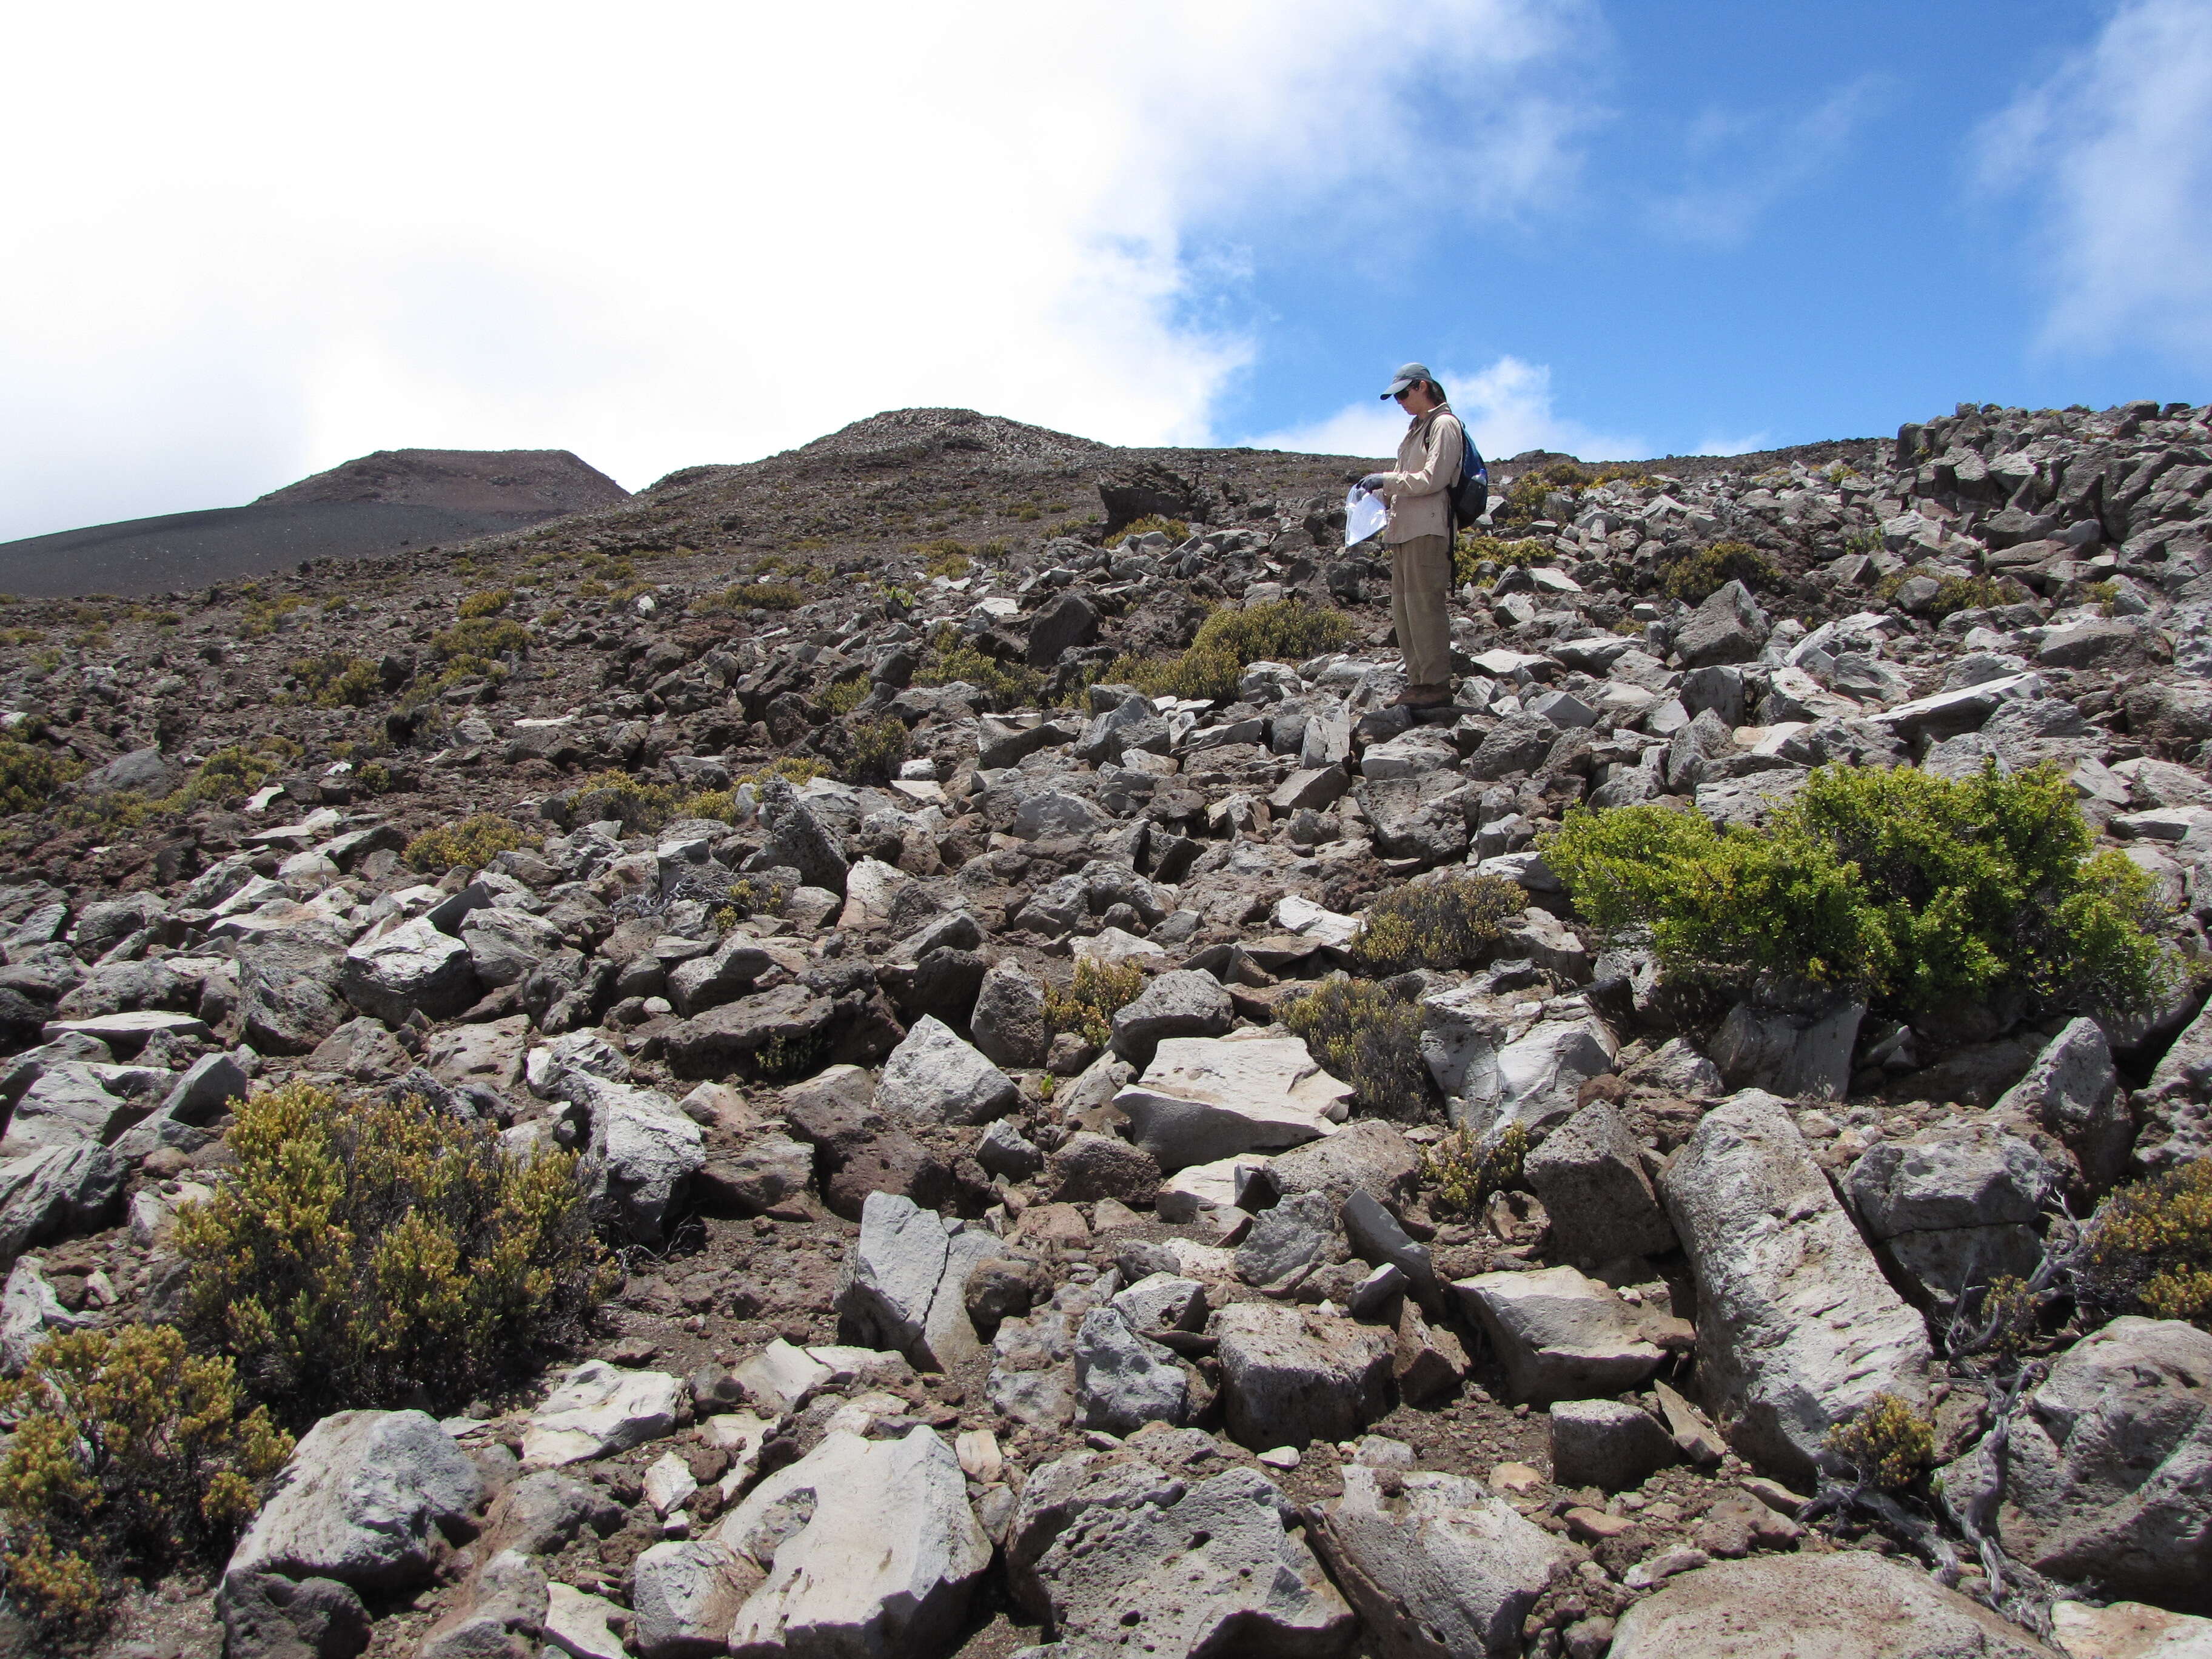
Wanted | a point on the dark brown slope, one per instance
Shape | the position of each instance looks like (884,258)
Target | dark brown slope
(539,481)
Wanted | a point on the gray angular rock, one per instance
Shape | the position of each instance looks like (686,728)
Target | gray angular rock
(722,1039)
(796,841)
(1069,620)
(1370,1157)
(287,989)
(545,1510)
(1202,1099)
(1955,1206)
(1589,1173)
(67,1106)
(414,968)
(869,1547)
(501,1615)
(505,945)
(2073,1089)
(1087,1167)
(30,1312)
(597,1409)
(360,1500)
(1437,1567)
(1182,1003)
(1008,1022)
(1797,1056)
(266,1615)
(642,1154)
(1291,1376)
(1516,743)
(2105,1475)
(1606,1444)
(1797,1327)
(1377,1238)
(723,975)
(932,1077)
(1089,1548)
(1727,628)
(1287,1244)
(1559,1335)
(1162,1302)
(685,1594)
(1844,1605)
(55,1192)
(905,1286)
(1123,1382)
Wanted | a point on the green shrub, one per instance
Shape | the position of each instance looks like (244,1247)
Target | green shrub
(262,616)
(643,807)
(794,769)
(489,603)
(1865,542)
(1366,1037)
(370,1252)
(2149,1247)
(1696,576)
(128,1454)
(469,845)
(479,639)
(29,776)
(234,772)
(1003,685)
(843,696)
(944,557)
(1228,641)
(1886,1441)
(774,596)
(1461,1173)
(879,747)
(1471,551)
(1086,1007)
(1452,923)
(339,679)
(1911,890)
(1173,529)
(1973,594)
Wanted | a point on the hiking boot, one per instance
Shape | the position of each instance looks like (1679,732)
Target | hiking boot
(1423,697)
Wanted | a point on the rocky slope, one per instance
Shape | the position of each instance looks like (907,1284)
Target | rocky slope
(1160,1345)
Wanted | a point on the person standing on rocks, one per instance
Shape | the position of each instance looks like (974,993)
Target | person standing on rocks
(1419,533)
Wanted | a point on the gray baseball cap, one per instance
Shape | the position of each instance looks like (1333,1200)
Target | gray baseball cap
(1409,374)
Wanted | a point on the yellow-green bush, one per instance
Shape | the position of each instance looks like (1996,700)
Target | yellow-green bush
(944,557)
(29,776)
(794,769)
(773,596)
(643,807)
(234,772)
(1086,1007)
(369,1253)
(1452,923)
(1003,685)
(339,679)
(1366,1037)
(1886,1441)
(1974,594)
(1460,1173)
(489,603)
(469,845)
(1471,551)
(1176,530)
(479,639)
(1230,641)
(262,616)
(843,696)
(1912,890)
(2149,1247)
(1696,576)
(128,1453)
(877,748)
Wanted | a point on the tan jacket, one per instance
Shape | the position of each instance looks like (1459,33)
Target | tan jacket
(1418,491)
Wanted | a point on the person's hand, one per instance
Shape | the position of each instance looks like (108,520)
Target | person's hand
(1372,483)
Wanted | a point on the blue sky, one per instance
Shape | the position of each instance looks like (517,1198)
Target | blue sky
(251,241)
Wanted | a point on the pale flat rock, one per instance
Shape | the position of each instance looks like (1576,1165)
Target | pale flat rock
(2128,1630)
(598,1409)
(1202,1099)
(1559,1333)
(869,1547)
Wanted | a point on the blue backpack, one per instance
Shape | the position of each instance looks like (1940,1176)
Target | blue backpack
(1470,492)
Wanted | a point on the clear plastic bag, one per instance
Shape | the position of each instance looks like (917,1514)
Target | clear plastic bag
(1363,515)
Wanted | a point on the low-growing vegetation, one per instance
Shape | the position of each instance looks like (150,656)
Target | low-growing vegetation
(28,775)
(338,679)
(469,845)
(1175,530)
(1451,923)
(370,1252)
(1472,551)
(1086,1004)
(878,749)
(1887,1442)
(1699,573)
(945,557)
(2150,1248)
(1364,1036)
(489,603)
(1003,685)
(643,806)
(129,1456)
(1228,641)
(1912,891)
(1462,1172)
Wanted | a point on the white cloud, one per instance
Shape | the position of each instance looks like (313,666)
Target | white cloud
(2111,157)
(1749,162)
(1740,443)
(245,242)
(1507,406)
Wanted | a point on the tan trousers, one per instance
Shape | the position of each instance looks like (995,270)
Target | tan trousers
(1420,606)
